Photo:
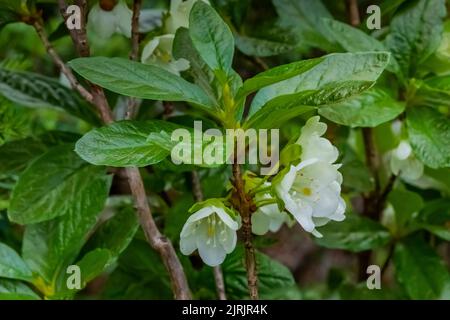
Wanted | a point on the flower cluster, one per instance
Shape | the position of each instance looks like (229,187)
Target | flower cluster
(306,190)
(107,18)
(158,51)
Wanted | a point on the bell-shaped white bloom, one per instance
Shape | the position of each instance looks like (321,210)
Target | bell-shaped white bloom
(158,52)
(311,189)
(267,217)
(311,193)
(404,163)
(105,23)
(314,145)
(178,15)
(212,230)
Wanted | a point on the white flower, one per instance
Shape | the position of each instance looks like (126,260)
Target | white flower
(178,15)
(311,189)
(212,231)
(267,217)
(312,143)
(105,23)
(158,52)
(404,163)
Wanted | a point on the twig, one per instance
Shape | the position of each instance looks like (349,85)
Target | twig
(352,7)
(218,274)
(157,241)
(133,102)
(135,30)
(38,26)
(245,207)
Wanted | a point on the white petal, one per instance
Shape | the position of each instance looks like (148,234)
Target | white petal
(403,150)
(211,254)
(302,212)
(101,22)
(230,242)
(200,214)
(149,49)
(225,217)
(188,244)
(123,18)
(260,223)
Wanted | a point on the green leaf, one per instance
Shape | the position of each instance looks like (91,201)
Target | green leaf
(55,184)
(435,91)
(12,266)
(369,109)
(17,154)
(301,18)
(356,175)
(139,80)
(435,218)
(277,74)
(202,75)
(261,47)
(50,247)
(211,37)
(355,234)
(141,275)
(272,275)
(405,204)
(429,134)
(420,270)
(36,91)
(285,107)
(352,39)
(116,233)
(415,33)
(15,290)
(334,69)
(93,264)
(125,143)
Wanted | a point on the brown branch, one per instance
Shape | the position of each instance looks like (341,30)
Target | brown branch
(132,103)
(157,241)
(352,8)
(135,30)
(245,208)
(38,26)
(218,275)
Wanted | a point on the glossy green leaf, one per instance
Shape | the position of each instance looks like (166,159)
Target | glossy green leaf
(301,18)
(334,69)
(50,247)
(420,270)
(355,234)
(405,204)
(35,91)
(201,73)
(126,143)
(429,134)
(369,109)
(261,47)
(17,154)
(272,275)
(277,74)
(139,80)
(12,266)
(16,290)
(285,107)
(116,233)
(415,33)
(352,39)
(55,184)
(211,37)
(435,91)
